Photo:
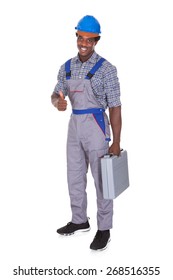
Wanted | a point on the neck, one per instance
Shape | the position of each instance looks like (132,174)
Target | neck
(85,58)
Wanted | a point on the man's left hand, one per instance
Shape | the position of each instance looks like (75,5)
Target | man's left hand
(115,149)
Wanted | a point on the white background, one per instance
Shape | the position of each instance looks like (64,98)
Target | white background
(36,38)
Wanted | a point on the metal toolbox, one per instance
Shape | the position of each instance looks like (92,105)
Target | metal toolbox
(115,175)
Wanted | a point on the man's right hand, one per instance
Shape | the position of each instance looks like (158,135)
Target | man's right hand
(59,101)
(61,104)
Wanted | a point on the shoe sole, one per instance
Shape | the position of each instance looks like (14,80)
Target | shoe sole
(102,249)
(76,231)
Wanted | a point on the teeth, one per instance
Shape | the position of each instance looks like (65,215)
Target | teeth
(83,49)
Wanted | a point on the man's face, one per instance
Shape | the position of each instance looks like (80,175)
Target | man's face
(85,46)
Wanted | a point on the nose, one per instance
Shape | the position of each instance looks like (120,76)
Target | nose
(84,43)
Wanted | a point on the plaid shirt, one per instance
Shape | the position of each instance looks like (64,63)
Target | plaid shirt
(104,83)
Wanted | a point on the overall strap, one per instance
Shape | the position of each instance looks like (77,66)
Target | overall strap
(67,69)
(94,69)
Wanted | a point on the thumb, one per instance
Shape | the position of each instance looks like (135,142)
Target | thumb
(61,94)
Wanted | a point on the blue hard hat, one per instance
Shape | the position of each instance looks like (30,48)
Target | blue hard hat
(89,24)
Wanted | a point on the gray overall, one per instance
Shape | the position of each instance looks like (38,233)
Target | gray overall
(87,141)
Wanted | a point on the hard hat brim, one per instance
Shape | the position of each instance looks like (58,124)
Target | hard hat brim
(87,34)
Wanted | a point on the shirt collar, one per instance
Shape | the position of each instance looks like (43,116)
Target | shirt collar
(91,60)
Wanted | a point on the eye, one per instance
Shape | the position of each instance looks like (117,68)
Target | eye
(90,41)
(80,38)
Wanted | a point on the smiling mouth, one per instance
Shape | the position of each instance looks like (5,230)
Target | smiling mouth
(83,49)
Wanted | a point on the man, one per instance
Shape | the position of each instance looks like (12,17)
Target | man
(92,85)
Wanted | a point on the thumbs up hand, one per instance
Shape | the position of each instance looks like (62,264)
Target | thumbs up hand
(62,103)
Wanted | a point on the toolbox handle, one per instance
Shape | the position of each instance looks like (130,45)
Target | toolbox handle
(111,155)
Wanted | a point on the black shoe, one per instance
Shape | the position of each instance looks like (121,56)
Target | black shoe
(71,228)
(101,240)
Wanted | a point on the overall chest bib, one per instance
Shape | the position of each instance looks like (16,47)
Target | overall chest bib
(83,100)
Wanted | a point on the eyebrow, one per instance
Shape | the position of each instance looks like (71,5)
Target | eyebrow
(87,38)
